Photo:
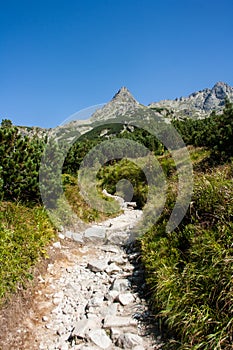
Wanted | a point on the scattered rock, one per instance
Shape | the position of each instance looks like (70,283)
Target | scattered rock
(125,298)
(129,341)
(100,338)
(57,245)
(78,237)
(83,327)
(91,303)
(119,321)
(120,285)
(95,234)
(97,265)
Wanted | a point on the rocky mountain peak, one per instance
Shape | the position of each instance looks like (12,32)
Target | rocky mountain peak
(215,98)
(124,95)
(200,103)
(221,89)
(122,103)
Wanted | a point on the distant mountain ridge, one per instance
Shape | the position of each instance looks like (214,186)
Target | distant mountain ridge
(123,106)
(197,105)
(200,103)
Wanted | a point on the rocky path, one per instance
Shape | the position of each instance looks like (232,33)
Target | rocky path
(93,297)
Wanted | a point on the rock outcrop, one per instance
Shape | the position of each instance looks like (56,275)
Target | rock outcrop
(198,104)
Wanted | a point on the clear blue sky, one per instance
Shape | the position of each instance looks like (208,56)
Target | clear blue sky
(59,56)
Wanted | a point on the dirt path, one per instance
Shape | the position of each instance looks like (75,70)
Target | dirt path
(89,296)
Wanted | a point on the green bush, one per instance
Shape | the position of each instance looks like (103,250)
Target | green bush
(111,174)
(20,161)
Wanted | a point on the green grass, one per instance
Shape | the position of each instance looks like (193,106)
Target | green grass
(189,271)
(82,209)
(24,235)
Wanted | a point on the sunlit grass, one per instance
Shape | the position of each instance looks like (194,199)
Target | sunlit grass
(189,271)
(24,235)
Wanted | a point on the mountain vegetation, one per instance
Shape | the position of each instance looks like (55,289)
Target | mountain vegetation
(188,270)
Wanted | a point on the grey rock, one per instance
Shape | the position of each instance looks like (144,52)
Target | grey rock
(57,245)
(118,321)
(120,285)
(118,259)
(93,297)
(78,237)
(112,268)
(100,338)
(83,327)
(198,104)
(111,295)
(69,234)
(125,298)
(97,265)
(129,341)
(110,310)
(95,234)
(118,237)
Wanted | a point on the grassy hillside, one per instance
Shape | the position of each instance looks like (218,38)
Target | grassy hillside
(189,271)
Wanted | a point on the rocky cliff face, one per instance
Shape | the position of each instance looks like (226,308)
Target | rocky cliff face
(198,104)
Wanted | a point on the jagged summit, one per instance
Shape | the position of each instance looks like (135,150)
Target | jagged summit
(123,103)
(199,103)
(124,95)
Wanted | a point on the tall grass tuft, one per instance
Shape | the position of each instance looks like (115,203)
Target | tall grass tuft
(24,234)
(190,271)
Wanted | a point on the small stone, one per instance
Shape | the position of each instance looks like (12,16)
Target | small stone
(95,234)
(111,295)
(118,321)
(113,268)
(57,297)
(118,260)
(64,346)
(120,285)
(128,341)
(96,301)
(83,327)
(97,266)
(110,310)
(69,234)
(57,245)
(45,319)
(125,298)
(100,338)
(78,237)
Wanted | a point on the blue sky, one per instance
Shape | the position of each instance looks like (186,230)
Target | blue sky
(60,56)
